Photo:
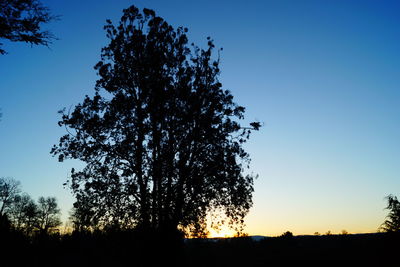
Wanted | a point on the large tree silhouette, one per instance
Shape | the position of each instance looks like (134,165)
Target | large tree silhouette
(160,138)
(22,21)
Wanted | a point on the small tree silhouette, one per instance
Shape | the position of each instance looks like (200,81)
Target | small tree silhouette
(328,232)
(344,232)
(23,213)
(392,222)
(48,214)
(82,216)
(287,234)
(9,189)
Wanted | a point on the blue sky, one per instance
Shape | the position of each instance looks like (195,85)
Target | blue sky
(324,77)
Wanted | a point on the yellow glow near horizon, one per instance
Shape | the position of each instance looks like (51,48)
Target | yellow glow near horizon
(224,232)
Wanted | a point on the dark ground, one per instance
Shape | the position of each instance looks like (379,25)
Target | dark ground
(125,249)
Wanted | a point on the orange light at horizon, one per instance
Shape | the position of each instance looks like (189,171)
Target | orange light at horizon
(224,232)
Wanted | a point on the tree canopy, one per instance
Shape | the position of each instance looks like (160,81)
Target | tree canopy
(161,139)
(22,20)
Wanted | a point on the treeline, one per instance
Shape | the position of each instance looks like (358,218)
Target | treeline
(20,212)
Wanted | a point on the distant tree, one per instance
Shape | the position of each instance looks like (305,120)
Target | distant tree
(328,232)
(287,234)
(48,214)
(23,213)
(392,222)
(21,21)
(9,189)
(160,138)
(18,208)
(30,217)
(82,216)
(344,232)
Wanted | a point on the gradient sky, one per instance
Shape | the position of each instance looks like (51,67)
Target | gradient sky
(324,77)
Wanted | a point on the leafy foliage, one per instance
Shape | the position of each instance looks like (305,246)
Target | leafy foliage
(21,21)
(160,138)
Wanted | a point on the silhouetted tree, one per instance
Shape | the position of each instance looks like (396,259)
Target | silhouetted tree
(21,21)
(24,214)
(392,222)
(328,232)
(160,138)
(82,216)
(48,214)
(9,189)
(30,213)
(344,232)
(287,234)
(19,209)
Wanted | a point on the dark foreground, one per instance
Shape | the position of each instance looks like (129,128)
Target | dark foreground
(131,249)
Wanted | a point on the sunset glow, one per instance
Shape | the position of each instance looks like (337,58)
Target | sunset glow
(224,232)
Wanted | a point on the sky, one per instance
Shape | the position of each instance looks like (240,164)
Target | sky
(322,76)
